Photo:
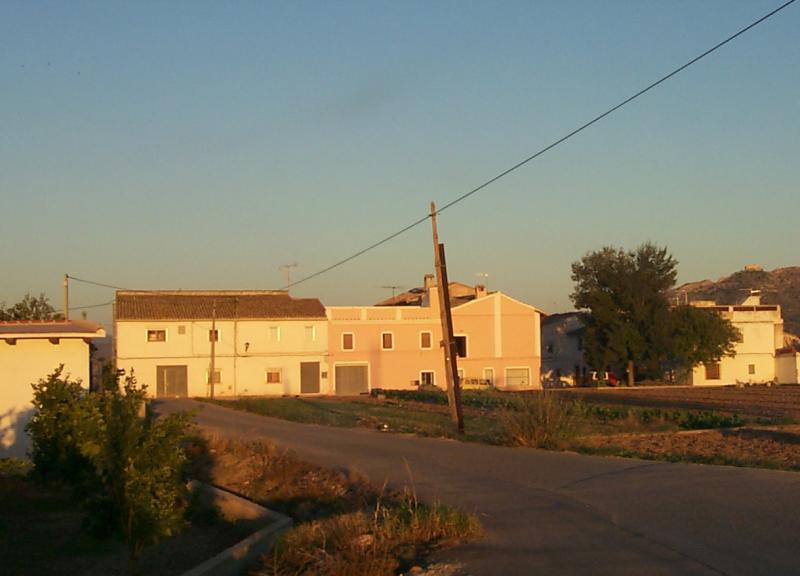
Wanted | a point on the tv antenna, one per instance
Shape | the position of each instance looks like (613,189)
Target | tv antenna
(485,276)
(287,268)
(393,288)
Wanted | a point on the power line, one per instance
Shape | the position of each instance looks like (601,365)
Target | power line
(545,149)
(91,306)
(96,283)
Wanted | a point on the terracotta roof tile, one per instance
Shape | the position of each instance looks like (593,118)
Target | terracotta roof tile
(197,305)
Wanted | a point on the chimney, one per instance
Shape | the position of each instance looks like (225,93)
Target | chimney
(429,281)
(480,291)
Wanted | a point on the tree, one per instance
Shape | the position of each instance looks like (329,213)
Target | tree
(629,322)
(30,308)
(699,335)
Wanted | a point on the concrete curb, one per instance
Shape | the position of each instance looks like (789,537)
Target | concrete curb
(239,557)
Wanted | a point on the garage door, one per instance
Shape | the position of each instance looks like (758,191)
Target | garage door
(518,377)
(171,382)
(352,380)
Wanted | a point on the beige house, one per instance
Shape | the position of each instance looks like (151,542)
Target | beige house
(398,346)
(754,362)
(265,342)
(29,351)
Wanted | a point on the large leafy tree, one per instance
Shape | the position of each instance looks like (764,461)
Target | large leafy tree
(30,308)
(630,325)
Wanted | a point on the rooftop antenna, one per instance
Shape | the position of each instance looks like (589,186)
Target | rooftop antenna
(393,288)
(288,269)
(485,276)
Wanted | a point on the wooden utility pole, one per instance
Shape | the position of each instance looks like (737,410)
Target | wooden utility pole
(66,296)
(213,338)
(448,340)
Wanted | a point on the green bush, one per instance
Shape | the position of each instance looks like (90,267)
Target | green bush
(62,430)
(128,463)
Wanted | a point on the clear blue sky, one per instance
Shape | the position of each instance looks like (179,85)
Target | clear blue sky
(190,145)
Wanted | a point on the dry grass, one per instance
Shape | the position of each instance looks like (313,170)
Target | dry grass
(344,526)
(541,420)
(395,534)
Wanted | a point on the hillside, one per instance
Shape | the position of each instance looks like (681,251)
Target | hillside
(780,286)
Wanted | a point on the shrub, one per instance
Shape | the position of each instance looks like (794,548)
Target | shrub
(127,462)
(541,420)
(62,430)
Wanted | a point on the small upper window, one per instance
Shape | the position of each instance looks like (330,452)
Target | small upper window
(181,329)
(275,333)
(751,368)
(311,333)
(461,346)
(387,341)
(213,335)
(425,340)
(156,335)
(348,341)
(274,376)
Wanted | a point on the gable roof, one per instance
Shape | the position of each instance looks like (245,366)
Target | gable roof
(229,304)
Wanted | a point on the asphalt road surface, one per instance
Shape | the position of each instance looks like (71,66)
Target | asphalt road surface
(562,513)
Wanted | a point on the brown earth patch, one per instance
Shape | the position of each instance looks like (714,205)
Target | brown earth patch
(765,447)
(782,402)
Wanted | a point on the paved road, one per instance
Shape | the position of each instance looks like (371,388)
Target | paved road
(560,513)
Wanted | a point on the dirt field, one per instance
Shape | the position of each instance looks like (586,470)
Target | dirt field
(768,447)
(781,402)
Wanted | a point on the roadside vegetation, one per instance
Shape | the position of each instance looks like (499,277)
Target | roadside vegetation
(742,427)
(343,525)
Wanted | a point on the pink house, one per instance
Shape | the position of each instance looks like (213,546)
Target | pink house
(398,346)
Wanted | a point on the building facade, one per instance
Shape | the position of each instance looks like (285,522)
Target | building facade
(262,342)
(29,352)
(398,347)
(754,361)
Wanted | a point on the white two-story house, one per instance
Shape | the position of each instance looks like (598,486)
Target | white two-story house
(262,342)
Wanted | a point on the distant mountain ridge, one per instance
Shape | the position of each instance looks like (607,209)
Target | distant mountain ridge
(780,286)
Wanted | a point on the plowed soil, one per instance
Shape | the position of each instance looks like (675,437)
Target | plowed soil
(776,402)
(767,447)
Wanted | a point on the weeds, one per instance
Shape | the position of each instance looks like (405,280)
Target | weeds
(542,420)
(346,527)
(392,537)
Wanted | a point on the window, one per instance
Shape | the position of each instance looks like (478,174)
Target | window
(156,335)
(348,341)
(387,341)
(311,333)
(217,379)
(273,376)
(425,340)
(213,335)
(275,333)
(712,371)
(751,368)
(181,329)
(488,376)
(427,378)
(461,346)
